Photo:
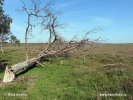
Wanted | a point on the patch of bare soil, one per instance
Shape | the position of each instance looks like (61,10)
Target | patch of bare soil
(26,78)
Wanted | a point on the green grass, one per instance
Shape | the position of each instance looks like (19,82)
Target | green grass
(75,79)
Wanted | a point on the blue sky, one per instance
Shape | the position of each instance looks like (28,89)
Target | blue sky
(114,17)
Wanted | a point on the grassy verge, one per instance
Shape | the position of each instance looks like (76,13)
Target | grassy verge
(76,79)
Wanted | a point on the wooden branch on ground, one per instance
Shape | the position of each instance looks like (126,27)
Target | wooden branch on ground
(56,45)
(66,47)
(10,72)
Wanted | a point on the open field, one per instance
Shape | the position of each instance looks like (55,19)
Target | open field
(81,76)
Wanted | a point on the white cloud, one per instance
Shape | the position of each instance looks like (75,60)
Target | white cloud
(67,4)
(64,5)
(102,21)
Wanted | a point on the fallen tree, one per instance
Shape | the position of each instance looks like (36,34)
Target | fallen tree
(56,48)
(56,45)
(10,72)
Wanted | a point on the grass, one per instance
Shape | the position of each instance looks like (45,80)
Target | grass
(77,78)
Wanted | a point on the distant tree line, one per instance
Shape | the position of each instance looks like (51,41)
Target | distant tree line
(14,40)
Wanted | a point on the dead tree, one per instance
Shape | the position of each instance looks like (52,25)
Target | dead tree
(50,23)
(55,47)
(10,72)
(34,12)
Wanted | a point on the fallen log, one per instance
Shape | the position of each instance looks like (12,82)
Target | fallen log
(10,72)
(9,75)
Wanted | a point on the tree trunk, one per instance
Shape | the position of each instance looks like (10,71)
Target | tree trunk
(26,32)
(1,44)
(10,72)
(1,48)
